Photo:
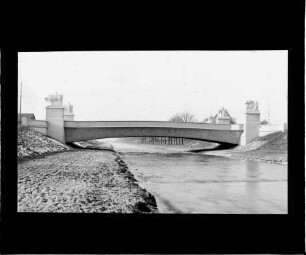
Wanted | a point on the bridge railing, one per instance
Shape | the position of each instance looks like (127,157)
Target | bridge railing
(40,126)
(162,124)
(37,123)
(237,126)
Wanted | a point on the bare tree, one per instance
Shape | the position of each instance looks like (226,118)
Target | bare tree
(176,118)
(183,117)
(188,117)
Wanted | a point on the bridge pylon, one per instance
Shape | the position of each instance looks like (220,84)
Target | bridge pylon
(55,117)
(251,123)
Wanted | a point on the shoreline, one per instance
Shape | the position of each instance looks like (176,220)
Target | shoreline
(253,155)
(93,179)
(244,153)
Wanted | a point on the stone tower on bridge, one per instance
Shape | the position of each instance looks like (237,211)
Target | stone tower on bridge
(251,123)
(56,114)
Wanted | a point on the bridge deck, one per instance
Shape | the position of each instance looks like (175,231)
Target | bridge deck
(88,130)
(151,124)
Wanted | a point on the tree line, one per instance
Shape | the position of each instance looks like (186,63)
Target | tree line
(179,117)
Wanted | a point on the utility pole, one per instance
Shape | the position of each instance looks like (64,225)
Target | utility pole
(20,95)
(268,113)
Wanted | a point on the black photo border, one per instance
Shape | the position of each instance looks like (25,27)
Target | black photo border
(278,27)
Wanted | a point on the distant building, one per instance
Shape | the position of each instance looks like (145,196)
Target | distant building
(222,117)
(264,122)
(29,116)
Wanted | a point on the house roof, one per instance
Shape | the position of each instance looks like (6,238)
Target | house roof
(27,115)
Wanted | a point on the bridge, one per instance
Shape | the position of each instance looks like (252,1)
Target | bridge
(88,130)
(60,125)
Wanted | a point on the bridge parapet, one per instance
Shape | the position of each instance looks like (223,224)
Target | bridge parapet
(40,126)
(237,127)
(151,124)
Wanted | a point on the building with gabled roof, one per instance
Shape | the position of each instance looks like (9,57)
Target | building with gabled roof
(29,116)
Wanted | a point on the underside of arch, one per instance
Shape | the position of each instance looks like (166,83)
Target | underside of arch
(209,135)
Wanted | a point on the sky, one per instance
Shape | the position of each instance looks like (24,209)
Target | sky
(155,85)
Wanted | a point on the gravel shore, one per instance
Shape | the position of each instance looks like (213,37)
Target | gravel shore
(80,177)
(31,143)
(267,156)
(91,181)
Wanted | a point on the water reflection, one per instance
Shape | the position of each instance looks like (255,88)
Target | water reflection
(252,172)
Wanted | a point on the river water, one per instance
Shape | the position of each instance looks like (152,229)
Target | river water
(198,183)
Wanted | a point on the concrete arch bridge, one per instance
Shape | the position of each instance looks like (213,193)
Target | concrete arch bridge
(88,130)
(60,125)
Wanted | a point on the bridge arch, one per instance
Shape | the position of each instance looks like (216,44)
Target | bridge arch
(88,130)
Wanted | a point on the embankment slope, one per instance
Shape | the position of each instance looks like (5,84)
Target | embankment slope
(55,178)
(31,143)
(272,148)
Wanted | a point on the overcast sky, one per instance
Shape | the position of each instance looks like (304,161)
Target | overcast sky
(154,85)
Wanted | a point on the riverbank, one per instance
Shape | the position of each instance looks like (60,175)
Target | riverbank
(258,155)
(271,148)
(94,180)
(31,144)
(194,183)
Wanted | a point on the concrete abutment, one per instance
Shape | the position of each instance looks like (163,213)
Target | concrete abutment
(251,123)
(56,114)
(55,119)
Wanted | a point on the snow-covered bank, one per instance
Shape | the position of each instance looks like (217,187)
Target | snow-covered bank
(95,181)
(93,144)
(271,148)
(53,177)
(31,143)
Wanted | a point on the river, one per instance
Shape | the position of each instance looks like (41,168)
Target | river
(202,184)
